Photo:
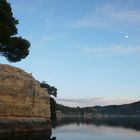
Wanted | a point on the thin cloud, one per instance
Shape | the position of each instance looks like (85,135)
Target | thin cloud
(30,6)
(51,38)
(115,50)
(94,101)
(106,16)
(121,15)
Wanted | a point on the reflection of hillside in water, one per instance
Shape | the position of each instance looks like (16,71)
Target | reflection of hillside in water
(125,122)
(28,136)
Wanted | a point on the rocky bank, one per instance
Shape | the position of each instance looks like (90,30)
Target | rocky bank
(22,100)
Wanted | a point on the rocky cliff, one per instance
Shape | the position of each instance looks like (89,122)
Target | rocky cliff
(21,97)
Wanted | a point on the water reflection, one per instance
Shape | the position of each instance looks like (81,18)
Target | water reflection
(85,129)
(28,136)
(125,122)
(99,129)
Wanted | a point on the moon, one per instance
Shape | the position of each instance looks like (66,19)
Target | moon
(126,36)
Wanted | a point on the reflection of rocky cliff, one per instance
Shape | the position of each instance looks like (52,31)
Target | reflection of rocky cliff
(28,136)
(21,97)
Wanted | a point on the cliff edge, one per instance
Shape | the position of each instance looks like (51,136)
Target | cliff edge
(21,97)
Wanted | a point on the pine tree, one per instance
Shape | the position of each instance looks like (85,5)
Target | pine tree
(12,47)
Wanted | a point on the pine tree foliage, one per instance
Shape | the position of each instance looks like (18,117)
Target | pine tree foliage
(12,47)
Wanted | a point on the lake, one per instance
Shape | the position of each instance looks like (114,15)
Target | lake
(86,129)
(98,129)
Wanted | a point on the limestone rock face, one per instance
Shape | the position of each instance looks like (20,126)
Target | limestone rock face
(21,95)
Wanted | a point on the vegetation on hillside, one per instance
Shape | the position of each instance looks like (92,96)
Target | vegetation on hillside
(125,109)
(52,91)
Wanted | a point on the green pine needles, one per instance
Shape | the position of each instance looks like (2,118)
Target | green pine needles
(12,47)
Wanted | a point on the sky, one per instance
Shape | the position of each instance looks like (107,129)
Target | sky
(88,49)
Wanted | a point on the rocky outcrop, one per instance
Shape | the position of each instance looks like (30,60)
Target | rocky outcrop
(21,96)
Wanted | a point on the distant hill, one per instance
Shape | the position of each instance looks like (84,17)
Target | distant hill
(132,109)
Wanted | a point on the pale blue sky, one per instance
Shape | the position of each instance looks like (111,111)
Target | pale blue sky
(85,48)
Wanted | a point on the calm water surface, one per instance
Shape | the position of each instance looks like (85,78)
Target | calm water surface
(106,129)
(86,129)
